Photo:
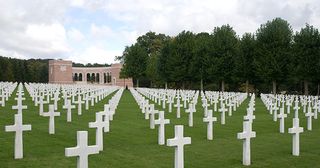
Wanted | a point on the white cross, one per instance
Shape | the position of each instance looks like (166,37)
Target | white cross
(170,101)
(19,105)
(55,100)
(152,113)
(296,110)
(250,117)
(18,127)
(79,102)
(282,116)
(161,121)
(210,120)
(99,125)
(223,114)
(178,105)
(295,131)
(40,105)
(51,114)
(82,150)
(275,113)
(309,115)
(246,135)
(106,114)
(191,110)
(178,142)
(69,107)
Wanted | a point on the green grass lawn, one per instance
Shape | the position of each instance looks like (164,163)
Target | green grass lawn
(131,144)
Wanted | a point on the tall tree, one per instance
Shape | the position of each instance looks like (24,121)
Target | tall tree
(225,47)
(244,61)
(199,62)
(307,54)
(274,41)
(135,62)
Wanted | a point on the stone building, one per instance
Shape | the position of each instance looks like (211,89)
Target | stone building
(61,71)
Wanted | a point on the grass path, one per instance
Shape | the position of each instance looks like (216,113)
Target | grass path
(131,144)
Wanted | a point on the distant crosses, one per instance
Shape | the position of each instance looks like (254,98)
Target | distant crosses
(210,120)
(295,131)
(69,107)
(82,150)
(19,105)
(161,131)
(99,125)
(51,114)
(18,127)
(246,135)
(282,116)
(223,113)
(178,142)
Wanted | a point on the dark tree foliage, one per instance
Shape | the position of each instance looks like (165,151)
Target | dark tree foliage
(274,40)
(32,70)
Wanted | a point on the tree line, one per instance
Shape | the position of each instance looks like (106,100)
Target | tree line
(31,70)
(273,59)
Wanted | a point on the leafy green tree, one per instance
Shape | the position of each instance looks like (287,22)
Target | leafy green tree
(225,47)
(307,54)
(135,62)
(244,62)
(199,61)
(274,40)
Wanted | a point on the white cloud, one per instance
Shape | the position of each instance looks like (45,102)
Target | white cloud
(46,29)
(94,54)
(75,35)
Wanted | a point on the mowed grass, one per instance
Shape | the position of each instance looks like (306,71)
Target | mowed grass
(131,144)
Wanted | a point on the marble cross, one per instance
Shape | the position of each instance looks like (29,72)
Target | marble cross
(178,142)
(161,121)
(191,110)
(223,113)
(99,125)
(51,114)
(82,150)
(69,107)
(309,116)
(295,131)
(246,135)
(18,127)
(152,114)
(282,116)
(178,105)
(210,120)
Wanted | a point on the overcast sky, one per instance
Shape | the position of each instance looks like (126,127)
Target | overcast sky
(95,31)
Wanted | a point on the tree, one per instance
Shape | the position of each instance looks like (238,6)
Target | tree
(135,62)
(307,54)
(273,50)
(244,64)
(225,47)
(199,62)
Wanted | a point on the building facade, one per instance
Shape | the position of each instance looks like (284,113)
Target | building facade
(61,71)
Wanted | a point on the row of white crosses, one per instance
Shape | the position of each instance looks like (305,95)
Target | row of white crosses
(18,126)
(247,133)
(189,100)
(102,125)
(310,106)
(6,89)
(178,141)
